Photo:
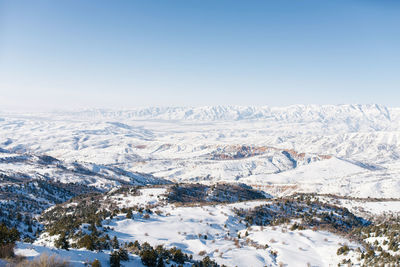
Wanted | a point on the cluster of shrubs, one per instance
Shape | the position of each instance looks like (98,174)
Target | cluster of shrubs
(94,236)
(312,214)
(12,217)
(385,227)
(95,240)
(218,193)
(315,196)
(70,223)
(160,256)
(8,237)
(236,152)
(389,232)
(89,208)
(28,197)
(343,250)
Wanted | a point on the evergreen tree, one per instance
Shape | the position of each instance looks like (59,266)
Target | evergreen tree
(160,262)
(86,242)
(115,243)
(114,259)
(123,254)
(149,257)
(8,237)
(62,242)
(178,256)
(129,214)
(93,229)
(96,263)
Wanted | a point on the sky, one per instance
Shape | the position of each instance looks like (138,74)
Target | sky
(72,54)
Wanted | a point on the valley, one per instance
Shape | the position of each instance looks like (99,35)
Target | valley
(189,179)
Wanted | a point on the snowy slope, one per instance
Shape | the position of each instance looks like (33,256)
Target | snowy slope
(206,230)
(27,167)
(330,176)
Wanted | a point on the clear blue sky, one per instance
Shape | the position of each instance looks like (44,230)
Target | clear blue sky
(76,54)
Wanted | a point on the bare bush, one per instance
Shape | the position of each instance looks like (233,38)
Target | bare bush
(45,261)
(202,253)
(7,251)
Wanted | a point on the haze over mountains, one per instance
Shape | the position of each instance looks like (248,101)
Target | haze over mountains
(294,113)
(350,150)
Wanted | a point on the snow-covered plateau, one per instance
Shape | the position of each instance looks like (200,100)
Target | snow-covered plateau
(302,185)
(350,150)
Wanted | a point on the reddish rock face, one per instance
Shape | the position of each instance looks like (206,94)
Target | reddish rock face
(238,152)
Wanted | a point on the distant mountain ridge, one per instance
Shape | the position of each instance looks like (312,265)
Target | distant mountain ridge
(372,113)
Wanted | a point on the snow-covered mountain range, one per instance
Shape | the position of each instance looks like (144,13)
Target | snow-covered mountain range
(351,150)
(373,114)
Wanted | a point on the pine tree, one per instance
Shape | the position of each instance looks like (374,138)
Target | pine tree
(114,259)
(115,243)
(129,214)
(123,254)
(149,257)
(93,229)
(62,242)
(160,262)
(178,256)
(8,237)
(96,263)
(86,242)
